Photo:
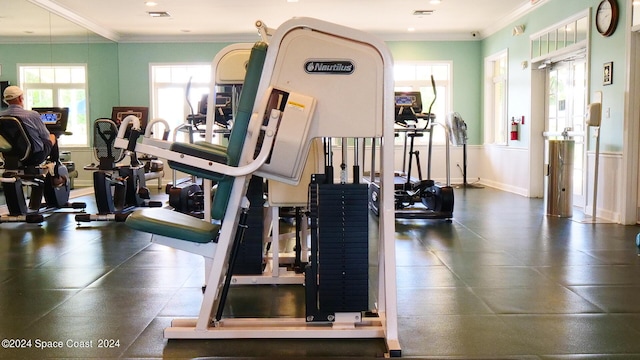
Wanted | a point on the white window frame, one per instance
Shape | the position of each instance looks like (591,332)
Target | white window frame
(495,115)
(180,75)
(439,137)
(81,136)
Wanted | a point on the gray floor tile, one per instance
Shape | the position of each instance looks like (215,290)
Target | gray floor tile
(593,274)
(413,277)
(535,300)
(501,276)
(612,299)
(45,278)
(464,336)
(574,333)
(440,301)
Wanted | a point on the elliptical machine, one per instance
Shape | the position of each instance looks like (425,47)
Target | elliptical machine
(118,189)
(16,149)
(416,198)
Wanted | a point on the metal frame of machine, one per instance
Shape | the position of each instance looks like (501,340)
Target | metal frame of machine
(307,63)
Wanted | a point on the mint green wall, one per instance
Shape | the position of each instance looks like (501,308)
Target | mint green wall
(101,60)
(602,50)
(134,60)
(467,74)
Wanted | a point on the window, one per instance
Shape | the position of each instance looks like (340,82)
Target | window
(557,39)
(496,99)
(169,84)
(60,86)
(416,76)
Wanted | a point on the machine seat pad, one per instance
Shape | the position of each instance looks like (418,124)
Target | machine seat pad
(202,149)
(5,146)
(173,224)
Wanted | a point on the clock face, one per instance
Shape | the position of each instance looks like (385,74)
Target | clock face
(606,17)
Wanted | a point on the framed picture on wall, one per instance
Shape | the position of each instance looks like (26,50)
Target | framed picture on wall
(607,74)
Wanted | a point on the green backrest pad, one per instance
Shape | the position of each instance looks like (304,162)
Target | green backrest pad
(231,155)
(240,126)
(182,226)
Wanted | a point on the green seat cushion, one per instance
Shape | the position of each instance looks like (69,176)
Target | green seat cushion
(173,224)
(4,145)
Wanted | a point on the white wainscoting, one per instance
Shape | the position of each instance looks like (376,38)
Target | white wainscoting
(610,191)
(507,168)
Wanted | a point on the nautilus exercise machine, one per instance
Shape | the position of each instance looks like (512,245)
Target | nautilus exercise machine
(292,95)
(16,148)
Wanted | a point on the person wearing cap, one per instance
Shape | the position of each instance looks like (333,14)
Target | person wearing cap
(43,143)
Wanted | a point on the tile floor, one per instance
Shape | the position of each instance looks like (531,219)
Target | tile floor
(503,281)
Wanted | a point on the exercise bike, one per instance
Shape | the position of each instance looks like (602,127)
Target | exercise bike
(49,181)
(118,188)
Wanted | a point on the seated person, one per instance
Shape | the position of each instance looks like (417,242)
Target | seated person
(43,143)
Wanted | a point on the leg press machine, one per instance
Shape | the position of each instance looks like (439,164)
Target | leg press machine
(301,86)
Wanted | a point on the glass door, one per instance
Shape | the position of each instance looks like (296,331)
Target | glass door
(567,102)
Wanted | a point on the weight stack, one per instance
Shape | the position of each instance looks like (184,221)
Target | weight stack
(340,250)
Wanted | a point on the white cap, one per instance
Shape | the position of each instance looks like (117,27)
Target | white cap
(11,92)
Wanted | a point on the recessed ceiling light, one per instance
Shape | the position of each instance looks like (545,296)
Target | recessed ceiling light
(150,3)
(411,29)
(158,14)
(292,1)
(435,2)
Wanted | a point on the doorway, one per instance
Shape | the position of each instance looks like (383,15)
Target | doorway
(566,101)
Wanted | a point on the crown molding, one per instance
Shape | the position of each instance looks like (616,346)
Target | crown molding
(65,13)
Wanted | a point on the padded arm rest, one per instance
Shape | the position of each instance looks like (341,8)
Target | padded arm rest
(4,145)
(213,169)
(203,150)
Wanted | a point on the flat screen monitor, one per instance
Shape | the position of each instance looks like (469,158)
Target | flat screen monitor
(202,105)
(224,108)
(119,113)
(3,85)
(55,118)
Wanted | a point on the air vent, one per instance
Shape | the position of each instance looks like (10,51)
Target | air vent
(158,14)
(422,12)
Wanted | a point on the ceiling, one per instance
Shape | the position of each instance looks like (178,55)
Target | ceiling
(231,20)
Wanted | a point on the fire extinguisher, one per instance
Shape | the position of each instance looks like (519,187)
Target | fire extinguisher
(514,129)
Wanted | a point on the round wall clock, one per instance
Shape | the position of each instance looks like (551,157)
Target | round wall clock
(607,17)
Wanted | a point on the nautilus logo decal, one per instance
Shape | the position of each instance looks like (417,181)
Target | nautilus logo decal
(329,67)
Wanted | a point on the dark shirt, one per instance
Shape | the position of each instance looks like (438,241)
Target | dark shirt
(35,128)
